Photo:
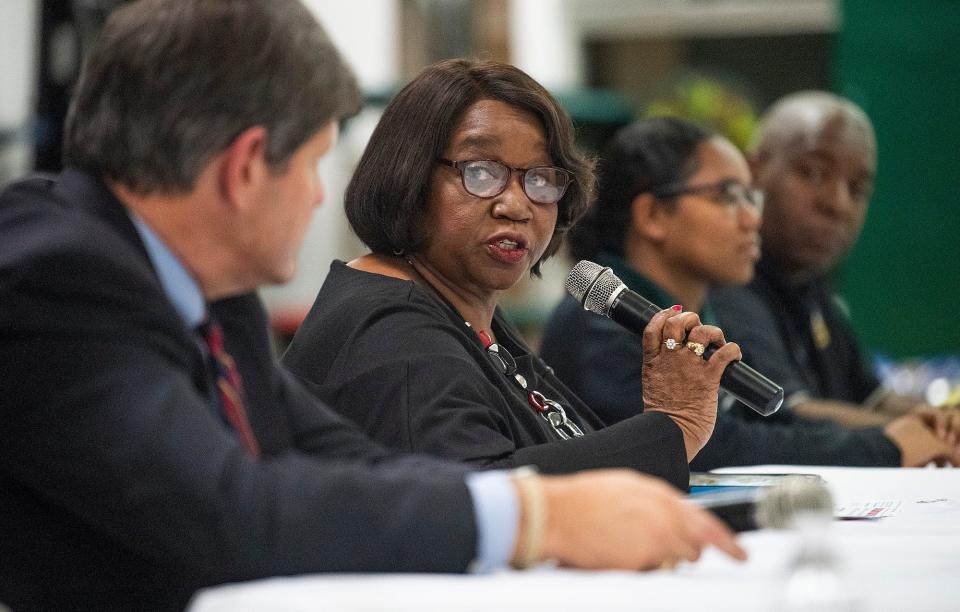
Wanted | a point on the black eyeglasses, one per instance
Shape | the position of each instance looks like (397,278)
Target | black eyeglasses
(487,178)
(730,193)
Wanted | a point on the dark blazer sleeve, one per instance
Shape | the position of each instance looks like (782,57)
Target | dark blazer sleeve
(736,441)
(651,443)
(408,381)
(103,420)
(860,379)
(746,320)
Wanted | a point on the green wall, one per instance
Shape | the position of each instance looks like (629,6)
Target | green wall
(900,60)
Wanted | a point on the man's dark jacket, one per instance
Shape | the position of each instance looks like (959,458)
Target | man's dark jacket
(120,486)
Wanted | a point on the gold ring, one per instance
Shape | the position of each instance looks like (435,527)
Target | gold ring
(696,347)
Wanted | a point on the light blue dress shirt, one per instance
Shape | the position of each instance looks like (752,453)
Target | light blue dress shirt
(181,289)
(498,516)
(495,505)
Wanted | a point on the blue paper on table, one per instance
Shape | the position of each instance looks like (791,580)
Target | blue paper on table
(702,482)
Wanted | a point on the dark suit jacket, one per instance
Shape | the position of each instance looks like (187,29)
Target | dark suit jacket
(120,486)
(775,322)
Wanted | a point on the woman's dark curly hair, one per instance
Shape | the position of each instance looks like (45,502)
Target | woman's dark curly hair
(639,158)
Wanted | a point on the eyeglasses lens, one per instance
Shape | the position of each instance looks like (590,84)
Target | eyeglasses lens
(756,198)
(545,185)
(485,179)
(736,193)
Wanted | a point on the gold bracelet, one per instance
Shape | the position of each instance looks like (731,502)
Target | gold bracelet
(534,517)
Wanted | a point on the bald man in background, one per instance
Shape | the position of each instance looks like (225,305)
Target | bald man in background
(814,156)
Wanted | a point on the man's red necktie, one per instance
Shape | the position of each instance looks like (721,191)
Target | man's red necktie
(229,386)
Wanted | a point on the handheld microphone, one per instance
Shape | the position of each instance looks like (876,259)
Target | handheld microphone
(600,291)
(776,507)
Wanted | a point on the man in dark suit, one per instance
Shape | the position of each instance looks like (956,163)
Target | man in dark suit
(150,445)
(814,156)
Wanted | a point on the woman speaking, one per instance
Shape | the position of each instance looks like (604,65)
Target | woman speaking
(468,183)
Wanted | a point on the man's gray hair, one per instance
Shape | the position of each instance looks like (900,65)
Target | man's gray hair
(171,83)
(804,114)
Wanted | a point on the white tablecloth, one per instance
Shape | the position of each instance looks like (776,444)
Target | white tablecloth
(907,562)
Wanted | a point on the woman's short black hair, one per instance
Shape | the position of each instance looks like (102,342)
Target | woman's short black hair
(386,200)
(639,158)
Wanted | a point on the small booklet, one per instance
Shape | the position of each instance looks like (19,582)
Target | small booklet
(703,482)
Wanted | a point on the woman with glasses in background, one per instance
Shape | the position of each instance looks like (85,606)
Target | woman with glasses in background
(675,217)
(470,180)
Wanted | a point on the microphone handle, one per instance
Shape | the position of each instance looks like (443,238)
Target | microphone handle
(736,507)
(761,394)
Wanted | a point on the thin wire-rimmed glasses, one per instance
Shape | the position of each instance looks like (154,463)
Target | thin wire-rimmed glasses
(488,178)
(730,193)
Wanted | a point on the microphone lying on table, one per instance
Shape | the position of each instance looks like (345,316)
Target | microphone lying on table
(600,291)
(775,507)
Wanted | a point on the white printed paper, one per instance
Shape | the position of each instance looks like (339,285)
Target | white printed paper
(867,509)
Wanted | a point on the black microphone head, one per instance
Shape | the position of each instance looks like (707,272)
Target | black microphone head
(594,286)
